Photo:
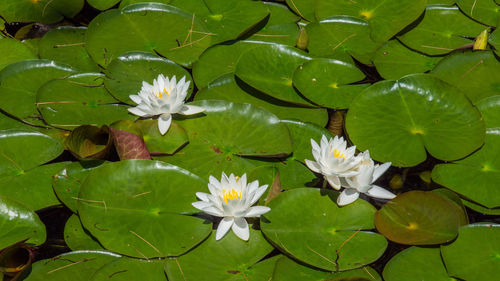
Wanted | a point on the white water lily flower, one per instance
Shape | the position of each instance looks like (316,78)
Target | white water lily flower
(369,172)
(333,160)
(164,98)
(232,198)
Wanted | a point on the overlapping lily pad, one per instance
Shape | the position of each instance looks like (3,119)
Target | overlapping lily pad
(389,120)
(158,144)
(322,234)
(46,11)
(302,8)
(14,51)
(486,12)
(133,206)
(77,238)
(126,268)
(103,4)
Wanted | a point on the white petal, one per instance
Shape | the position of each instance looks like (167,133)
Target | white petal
(240,228)
(347,197)
(213,190)
(135,98)
(202,196)
(258,194)
(224,226)
(256,211)
(137,111)
(314,166)
(334,181)
(191,109)
(164,123)
(208,208)
(380,170)
(252,187)
(379,192)
(213,181)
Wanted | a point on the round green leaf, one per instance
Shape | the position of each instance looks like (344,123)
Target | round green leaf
(476,73)
(419,218)
(487,12)
(442,30)
(79,100)
(394,60)
(13,51)
(125,74)
(322,234)
(416,264)
(21,151)
(66,182)
(158,144)
(328,82)
(20,82)
(46,11)
(228,131)
(66,44)
(134,206)
(19,223)
(295,174)
(270,68)
(75,266)
(78,238)
(475,255)
(126,269)
(151,27)
(34,187)
(386,18)
(303,8)
(103,4)
(226,259)
(226,88)
(301,134)
(389,120)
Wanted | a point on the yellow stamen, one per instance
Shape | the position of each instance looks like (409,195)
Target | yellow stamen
(338,154)
(161,95)
(231,195)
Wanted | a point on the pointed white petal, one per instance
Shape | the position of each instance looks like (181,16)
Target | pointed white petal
(240,228)
(164,123)
(215,182)
(200,205)
(135,98)
(202,196)
(224,226)
(379,192)
(137,111)
(256,211)
(314,166)
(334,181)
(252,187)
(347,197)
(258,194)
(191,109)
(380,170)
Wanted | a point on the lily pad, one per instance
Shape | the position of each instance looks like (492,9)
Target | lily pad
(416,264)
(301,134)
(442,30)
(229,131)
(126,73)
(158,144)
(226,88)
(19,223)
(270,68)
(230,258)
(386,18)
(77,238)
(14,51)
(329,82)
(394,60)
(132,206)
(481,209)
(487,12)
(150,27)
(66,44)
(420,218)
(46,11)
(480,243)
(322,234)
(103,4)
(303,8)
(20,82)
(126,268)
(387,118)
(476,73)
(124,3)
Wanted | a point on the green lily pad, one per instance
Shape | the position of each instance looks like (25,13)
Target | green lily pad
(124,3)
(228,131)
(270,68)
(7,122)
(394,60)
(158,144)
(67,182)
(20,82)
(21,151)
(322,234)
(103,4)
(230,258)
(387,118)
(46,11)
(494,40)
(416,264)
(480,243)
(132,206)
(420,218)
(303,8)
(341,33)
(19,223)
(481,209)
(76,266)
(150,27)
(289,270)
(126,268)
(79,100)
(295,174)
(13,51)
(66,44)
(226,88)
(329,82)
(125,74)
(301,134)
(442,30)
(487,12)
(34,187)
(386,18)
(77,238)
(476,73)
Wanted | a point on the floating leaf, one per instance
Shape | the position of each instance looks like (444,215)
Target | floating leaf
(159,144)
(303,8)
(301,134)
(103,4)
(46,11)
(13,51)
(486,12)
(77,238)
(126,268)
(128,141)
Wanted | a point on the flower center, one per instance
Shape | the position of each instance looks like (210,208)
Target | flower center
(230,195)
(164,91)
(338,154)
